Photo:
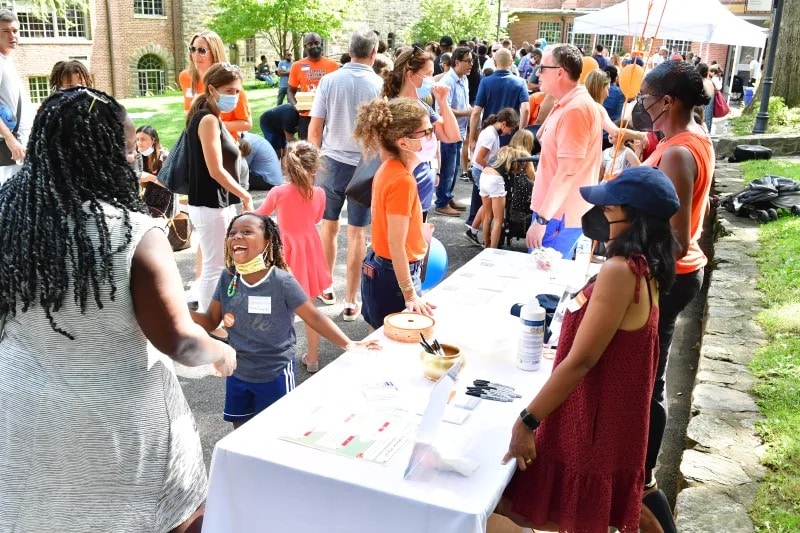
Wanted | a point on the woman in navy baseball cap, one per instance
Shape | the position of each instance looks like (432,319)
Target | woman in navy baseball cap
(580,444)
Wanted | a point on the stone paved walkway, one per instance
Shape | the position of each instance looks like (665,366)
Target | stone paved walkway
(720,465)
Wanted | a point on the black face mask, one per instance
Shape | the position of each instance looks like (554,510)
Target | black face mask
(315,52)
(640,118)
(596,226)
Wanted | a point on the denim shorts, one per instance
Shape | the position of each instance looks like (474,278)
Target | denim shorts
(334,176)
(244,400)
(380,292)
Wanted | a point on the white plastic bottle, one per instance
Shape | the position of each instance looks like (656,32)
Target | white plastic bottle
(531,339)
(558,316)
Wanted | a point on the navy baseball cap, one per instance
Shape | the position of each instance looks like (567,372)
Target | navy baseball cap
(644,188)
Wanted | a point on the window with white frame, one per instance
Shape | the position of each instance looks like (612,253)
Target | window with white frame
(683,46)
(148,7)
(550,31)
(151,74)
(581,40)
(72,24)
(613,43)
(38,88)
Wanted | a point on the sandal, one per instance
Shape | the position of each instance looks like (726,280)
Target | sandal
(656,515)
(310,367)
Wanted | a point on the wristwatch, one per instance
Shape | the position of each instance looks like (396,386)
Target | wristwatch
(529,420)
(540,219)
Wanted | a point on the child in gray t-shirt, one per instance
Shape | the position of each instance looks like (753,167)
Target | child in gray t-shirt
(256,300)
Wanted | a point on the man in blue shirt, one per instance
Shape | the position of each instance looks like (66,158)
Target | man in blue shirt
(598,56)
(456,79)
(263,162)
(500,90)
(284,67)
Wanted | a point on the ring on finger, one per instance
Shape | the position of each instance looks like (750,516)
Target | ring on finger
(528,461)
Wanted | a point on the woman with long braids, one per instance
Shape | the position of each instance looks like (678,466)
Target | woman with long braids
(213,172)
(97,435)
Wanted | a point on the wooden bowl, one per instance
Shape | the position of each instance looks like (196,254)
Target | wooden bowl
(406,327)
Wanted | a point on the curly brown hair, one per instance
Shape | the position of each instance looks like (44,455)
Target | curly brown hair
(380,124)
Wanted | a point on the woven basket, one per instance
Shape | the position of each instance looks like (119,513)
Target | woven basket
(406,327)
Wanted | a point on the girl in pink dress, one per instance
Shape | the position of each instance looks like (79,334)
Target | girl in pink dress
(300,206)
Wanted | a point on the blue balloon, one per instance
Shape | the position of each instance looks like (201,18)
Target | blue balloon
(436,266)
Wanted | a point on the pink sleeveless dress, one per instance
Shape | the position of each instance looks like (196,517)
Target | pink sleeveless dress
(302,247)
(589,469)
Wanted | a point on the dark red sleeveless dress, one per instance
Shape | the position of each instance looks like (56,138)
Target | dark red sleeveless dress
(589,470)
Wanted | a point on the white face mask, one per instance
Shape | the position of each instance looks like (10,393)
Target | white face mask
(147,151)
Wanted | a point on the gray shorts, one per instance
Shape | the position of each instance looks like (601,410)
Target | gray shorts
(334,177)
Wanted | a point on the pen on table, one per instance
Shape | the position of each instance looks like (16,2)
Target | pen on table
(495,385)
(489,396)
(493,392)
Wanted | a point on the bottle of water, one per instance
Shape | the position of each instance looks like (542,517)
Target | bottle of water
(531,339)
(558,316)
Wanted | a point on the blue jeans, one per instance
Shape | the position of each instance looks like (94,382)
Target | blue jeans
(380,292)
(475,200)
(450,154)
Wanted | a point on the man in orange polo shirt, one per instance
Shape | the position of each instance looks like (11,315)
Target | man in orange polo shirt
(571,139)
(305,75)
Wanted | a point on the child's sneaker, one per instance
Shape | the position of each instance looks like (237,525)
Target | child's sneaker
(351,312)
(327,296)
(473,237)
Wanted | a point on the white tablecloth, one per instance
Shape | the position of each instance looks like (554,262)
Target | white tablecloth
(261,483)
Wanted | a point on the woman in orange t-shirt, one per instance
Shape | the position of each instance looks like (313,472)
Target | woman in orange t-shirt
(205,49)
(390,274)
(668,95)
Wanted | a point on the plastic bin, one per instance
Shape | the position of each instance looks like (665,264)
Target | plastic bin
(748,94)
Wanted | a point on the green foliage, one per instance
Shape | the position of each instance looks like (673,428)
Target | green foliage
(777,365)
(460,19)
(46,7)
(278,20)
(781,118)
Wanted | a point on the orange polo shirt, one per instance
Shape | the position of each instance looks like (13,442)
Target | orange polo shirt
(240,112)
(394,192)
(305,74)
(703,153)
(572,130)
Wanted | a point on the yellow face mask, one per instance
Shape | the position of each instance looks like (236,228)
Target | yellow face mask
(256,264)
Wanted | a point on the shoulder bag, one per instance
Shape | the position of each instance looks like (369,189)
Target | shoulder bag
(174,174)
(721,108)
(5,151)
(360,187)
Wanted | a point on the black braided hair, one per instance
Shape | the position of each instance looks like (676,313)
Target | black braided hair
(273,255)
(75,160)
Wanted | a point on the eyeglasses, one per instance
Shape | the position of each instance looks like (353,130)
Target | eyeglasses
(640,97)
(427,133)
(199,49)
(230,67)
(418,49)
(544,67)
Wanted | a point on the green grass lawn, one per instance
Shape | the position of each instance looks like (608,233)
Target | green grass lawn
(777,365)
(165,112)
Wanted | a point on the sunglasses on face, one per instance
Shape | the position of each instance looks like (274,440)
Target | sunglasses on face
(199,49)
(230,67)
(427,133)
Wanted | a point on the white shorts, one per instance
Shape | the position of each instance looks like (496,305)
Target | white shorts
(492,185)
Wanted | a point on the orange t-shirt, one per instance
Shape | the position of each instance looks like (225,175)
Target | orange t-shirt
(305,74)
(394,192)
(703,152)
(572,130)
(536,100)
(240,112)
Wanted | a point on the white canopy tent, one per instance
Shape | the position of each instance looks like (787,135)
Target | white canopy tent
(704,21)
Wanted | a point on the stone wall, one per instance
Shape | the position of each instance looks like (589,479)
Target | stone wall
(780,143)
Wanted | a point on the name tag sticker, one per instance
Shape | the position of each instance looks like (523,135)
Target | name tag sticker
(259,305)
(305,67)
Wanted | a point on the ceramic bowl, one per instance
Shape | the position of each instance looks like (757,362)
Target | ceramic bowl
(435,366)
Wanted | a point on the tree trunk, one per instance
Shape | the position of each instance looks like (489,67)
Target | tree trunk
(786,75)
